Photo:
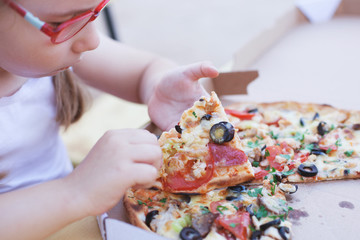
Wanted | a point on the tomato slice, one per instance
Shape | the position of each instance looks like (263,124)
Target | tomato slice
(272,152)
(240,114)
(225,155)
(177,181)
(237,224)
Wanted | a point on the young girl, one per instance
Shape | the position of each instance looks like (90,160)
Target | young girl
(38,40)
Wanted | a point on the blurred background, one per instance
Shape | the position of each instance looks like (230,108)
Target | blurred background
(296,58)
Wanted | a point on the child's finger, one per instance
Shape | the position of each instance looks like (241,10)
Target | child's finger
(148,154)
(145,175)
(138,136)
(199,70)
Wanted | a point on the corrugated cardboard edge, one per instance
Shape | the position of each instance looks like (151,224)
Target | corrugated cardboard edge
(248,54)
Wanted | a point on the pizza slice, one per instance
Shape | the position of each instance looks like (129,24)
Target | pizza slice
(203,151)
(298,142)
(236,212)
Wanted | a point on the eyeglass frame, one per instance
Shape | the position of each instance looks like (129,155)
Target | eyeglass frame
(51,31)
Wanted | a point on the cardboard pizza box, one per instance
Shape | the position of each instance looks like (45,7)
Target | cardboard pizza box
(320,209)
(297,60)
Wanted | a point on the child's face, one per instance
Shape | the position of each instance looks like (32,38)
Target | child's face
(26,51)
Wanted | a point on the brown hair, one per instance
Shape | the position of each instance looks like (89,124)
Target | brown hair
(71,98)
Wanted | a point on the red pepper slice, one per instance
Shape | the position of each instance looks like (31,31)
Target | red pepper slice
(275,123)
(237,224)
(240,114)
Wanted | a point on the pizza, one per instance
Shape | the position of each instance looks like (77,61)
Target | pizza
(283,142)
(297,142)
(203,151)
(235,212)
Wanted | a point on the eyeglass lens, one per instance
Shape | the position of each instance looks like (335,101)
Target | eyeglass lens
(72,29)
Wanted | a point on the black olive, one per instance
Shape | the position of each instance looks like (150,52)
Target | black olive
(185,198)
(318,151)
(201,99)
(356,126)
(254,110)
(320,128)
(190,194)
(346,172)
(279,176)
(302,123)
(178,129)
(316,116)
(307,170)
(296,188)
(283,231)
(150,216)
(231,198)
(237,188)
(270,224)
(250,210)
(222,132)
(206,117)
(255,235)
(288,188)
(189,233)
(263,148)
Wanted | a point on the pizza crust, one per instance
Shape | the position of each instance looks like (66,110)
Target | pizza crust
(134,211)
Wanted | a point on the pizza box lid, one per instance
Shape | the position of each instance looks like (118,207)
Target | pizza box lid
(303,61)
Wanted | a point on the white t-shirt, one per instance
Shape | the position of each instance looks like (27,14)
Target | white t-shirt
(31,150)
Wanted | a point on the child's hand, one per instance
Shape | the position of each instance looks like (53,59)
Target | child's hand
(177,91)
(119,160)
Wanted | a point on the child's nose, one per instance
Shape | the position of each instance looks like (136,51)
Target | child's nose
(87,39)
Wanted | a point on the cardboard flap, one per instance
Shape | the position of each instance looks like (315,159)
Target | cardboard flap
(230,83)
(349,7)
(118,230)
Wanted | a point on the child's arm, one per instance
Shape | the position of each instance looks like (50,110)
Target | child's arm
(136,75)
(121,70)
(120,159)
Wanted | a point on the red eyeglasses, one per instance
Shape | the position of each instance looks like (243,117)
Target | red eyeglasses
(65,30)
